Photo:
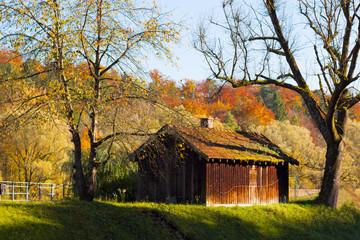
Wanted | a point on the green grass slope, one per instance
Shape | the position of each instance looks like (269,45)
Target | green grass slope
(77,220)
(103,220)
(277,221)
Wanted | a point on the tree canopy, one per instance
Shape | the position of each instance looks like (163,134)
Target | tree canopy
(91,53)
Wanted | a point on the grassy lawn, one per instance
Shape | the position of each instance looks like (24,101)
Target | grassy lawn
(104,220)
(77,220)
(279,221)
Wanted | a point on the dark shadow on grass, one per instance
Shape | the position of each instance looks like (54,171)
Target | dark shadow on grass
(99,220)
(81,220)
(216,225)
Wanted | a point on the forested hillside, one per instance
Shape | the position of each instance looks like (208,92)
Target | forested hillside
(35,143)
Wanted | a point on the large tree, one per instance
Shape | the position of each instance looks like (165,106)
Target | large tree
(91,50)
(269,45)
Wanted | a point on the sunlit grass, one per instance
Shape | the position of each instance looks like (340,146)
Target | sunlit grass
(105,220)
(280,221)
(77,220)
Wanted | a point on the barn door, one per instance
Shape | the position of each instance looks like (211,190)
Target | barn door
(253,185)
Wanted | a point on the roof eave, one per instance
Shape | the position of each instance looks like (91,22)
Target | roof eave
(170,130)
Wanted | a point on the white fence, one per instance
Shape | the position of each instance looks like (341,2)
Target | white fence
(31,191)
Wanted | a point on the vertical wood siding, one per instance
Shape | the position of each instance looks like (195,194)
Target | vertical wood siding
(214,182)
(182,182)
(246,183)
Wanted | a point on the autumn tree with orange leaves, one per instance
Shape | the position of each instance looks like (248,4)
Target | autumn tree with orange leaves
(110,40)
(206,98)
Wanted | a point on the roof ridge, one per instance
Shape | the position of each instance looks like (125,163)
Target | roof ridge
(217,129)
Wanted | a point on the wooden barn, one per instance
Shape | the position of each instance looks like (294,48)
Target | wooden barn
(213,167)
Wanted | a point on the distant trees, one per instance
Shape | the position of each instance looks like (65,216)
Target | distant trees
(207,98)
(230,122)
(33,152)
(298,142)
(262,47)
(273,101)
(351,168)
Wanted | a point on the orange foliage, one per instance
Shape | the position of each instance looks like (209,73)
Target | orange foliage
(11,57)
(245,105)
(189,89)
(166,89)
(218,109)
(204,99)
(251,111)
(195,107)
(290,98)
(355,112)
(85,140)
(208,99)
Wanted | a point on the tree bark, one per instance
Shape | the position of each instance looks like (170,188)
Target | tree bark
(79,175)
(334,157)
(92,174)
(331,181)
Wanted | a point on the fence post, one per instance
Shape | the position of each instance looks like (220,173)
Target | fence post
(52,192)
(12,191)
(63,191)
(27,191)
(39,191)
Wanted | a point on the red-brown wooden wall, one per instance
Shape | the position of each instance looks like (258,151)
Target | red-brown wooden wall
(246,183)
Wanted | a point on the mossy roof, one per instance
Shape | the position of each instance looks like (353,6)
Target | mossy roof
(226,144)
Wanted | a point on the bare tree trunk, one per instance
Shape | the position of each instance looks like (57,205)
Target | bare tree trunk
(92,174)
(92,182)
(331,181)
(79,175)
(334,158)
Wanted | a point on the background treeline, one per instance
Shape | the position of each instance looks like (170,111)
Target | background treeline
(278,113)
(36,147)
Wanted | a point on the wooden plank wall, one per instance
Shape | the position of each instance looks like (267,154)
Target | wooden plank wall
(215,183)
(184,181)
(245,183)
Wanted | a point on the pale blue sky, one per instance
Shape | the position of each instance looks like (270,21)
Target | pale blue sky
(191,64)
